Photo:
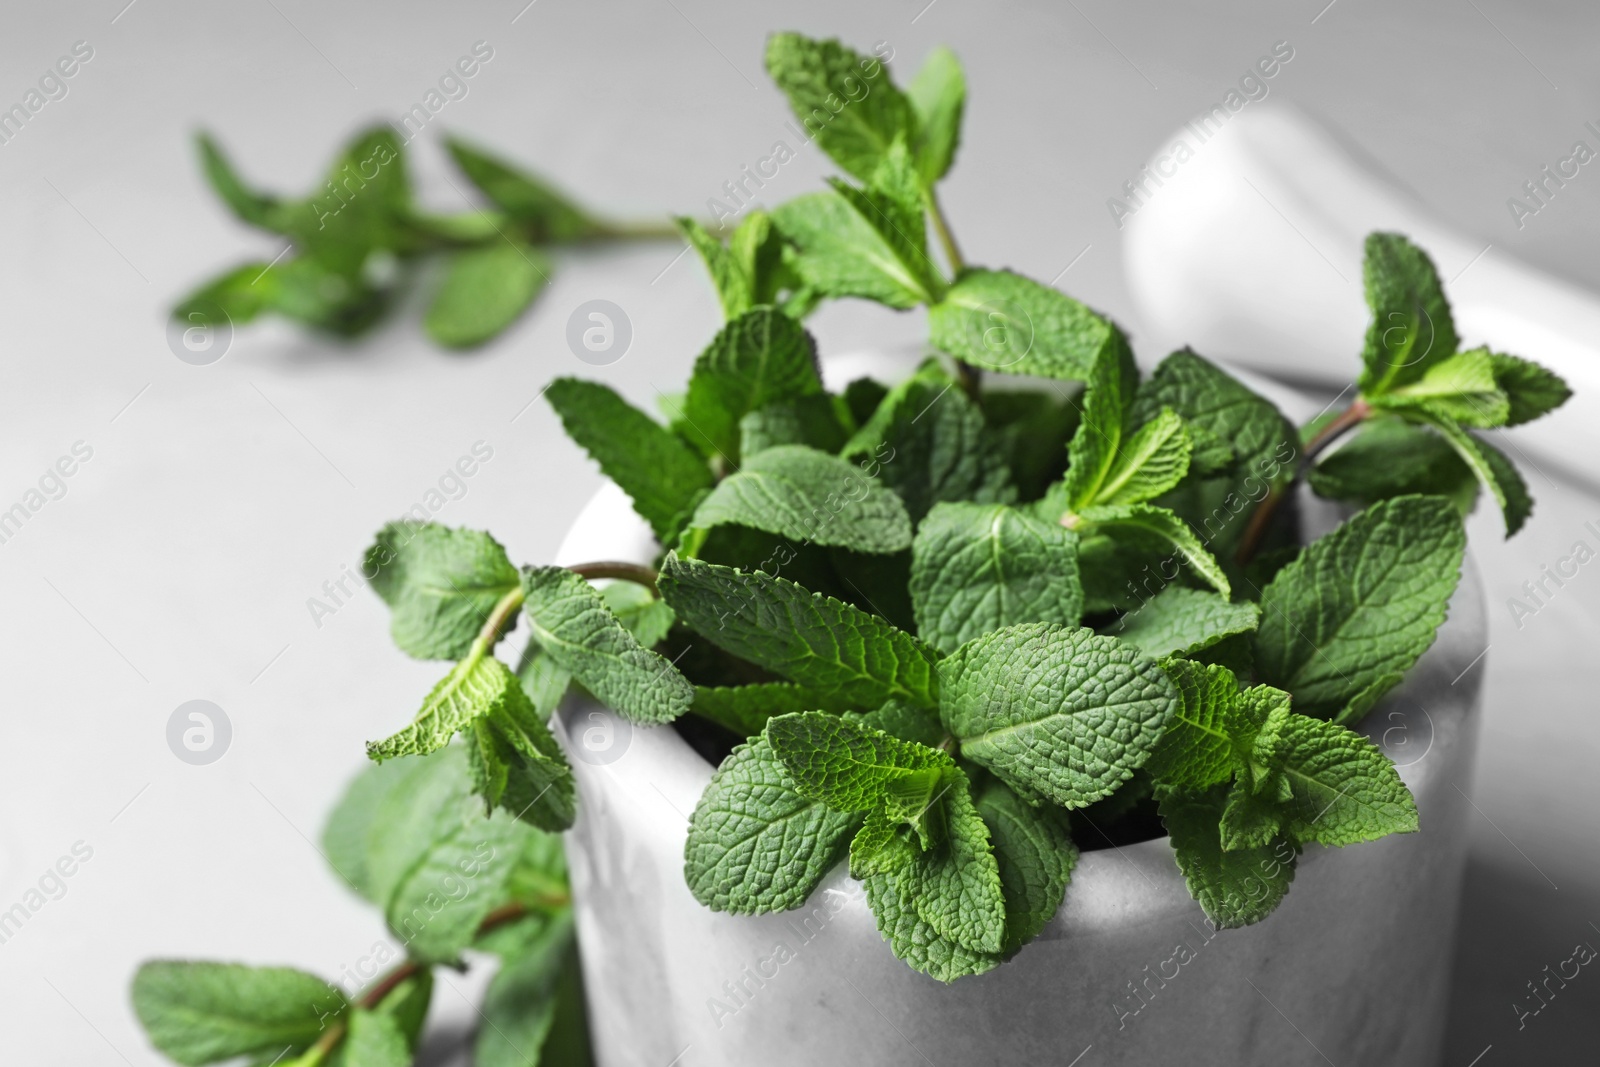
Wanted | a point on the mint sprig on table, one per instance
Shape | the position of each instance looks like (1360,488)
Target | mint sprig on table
(945,631)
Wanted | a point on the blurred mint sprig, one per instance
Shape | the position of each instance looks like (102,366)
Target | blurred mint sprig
(356,239)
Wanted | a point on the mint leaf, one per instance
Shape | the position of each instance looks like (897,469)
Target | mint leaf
(198,1013)
(928,442)
(1234,888)
(1152,460)
(436,906)
(1035,855)
(810,497)
(474,688)
(755,844)
(650,463)
(574,628)
(519,1007)
(844,764)
(955,883)
(639,611)
(1200,744)
(859,243)
(1461,387)
(1531,389)
(1411,327)
(1055,711)
(1005,322)
(808,420)
(540,212)
(1157,530)
(977,568)
(1360,605)
(757,358)
(731,278)
(750,269)
(1345,790)
(892,204)
(1487,463)
(1180,620)
(891,896)
(485,290)
(1390,457)
(826,645)
(373,1040)
(845,100)
(258,209)
(517,764)
(1095,449)
(440,584)
(745,709)
(938,96)
(882,845)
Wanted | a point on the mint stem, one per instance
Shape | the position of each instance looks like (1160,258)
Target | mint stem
(968,375)
(627,572)
(1261,520)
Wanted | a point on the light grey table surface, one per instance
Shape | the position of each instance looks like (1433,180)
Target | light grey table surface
(218,499)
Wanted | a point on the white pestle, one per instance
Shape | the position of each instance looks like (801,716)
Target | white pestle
(1250,252)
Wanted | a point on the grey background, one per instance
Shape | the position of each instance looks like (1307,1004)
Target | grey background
(220,498)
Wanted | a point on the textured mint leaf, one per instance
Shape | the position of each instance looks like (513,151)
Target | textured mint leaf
(913,940)
(440,585)
(907,722)
(1152,460)
(485,290)
(745,709)
(1461,387)
(1096,447)
(542,680)
(1234,888)
(810,497)
(1201,743)
(641,612)
(843,763)
(929,442)
(354,821)
(1054,711)
(735,287)
(826,645)
(853,242)
(474,688)
(758,358)
(1180,620)
(435,908)
(1361,604)
(1532,390)
(1487,463)
(938,95)
(517,764)
(892,204)
(955,883)
(755,844)
(1035,855)
(519,1007)
(1345,790)
(809,420)
(882,845)
(1411,327)
(1005,322)
(980,567)
(661,474)
(541,212)
(845,100)
(198,1013)
(1159,531)
(1390,457)
(373,1040)
(576,630)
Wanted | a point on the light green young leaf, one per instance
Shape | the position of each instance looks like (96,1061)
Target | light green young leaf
(838,651)
(1054,711)
(1532,390)
(440,585)
(517,764)
(755,844)
(1202,742)
(1461,387)
(760,357)
(576,630)
(1180,620)
(485,290)
(1411,327)
(639,610)
(1002,321)
(373,1040)
(955,883)
(892,204)
(735,287)
(1096,447)
(928,442)
(662,475)
(846,101)
(809,497)
(977,568)
(1035,855)
(1159,530)
(883,845)
(1234,888)
(1151,461)
(1345,790)
(939,96)
(474,688)
(198,1013)
(1487,463)
(1361,604)
(858,243)
(843,763)
(540,212)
